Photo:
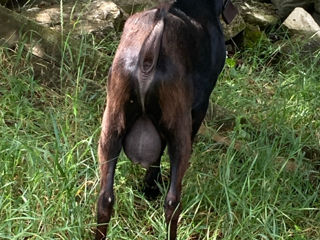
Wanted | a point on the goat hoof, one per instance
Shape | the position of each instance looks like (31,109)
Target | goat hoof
(151,192)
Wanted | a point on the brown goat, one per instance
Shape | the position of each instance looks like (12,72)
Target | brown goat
(159,84)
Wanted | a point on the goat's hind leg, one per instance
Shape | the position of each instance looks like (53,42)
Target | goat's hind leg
(109,148)
(179,148)
(153,177)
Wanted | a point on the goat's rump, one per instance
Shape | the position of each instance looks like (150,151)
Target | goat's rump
(158,54)
(142,144)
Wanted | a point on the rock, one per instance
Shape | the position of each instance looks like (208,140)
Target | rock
(96,17)
(285,7)
(133,6)
(233,29)
(305,33)
(41,41)
(257,13)
(301,22)
(253,35)
(104,12)
(250,12)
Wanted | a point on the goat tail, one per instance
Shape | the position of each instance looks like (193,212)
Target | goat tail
(150,49)
(149,53)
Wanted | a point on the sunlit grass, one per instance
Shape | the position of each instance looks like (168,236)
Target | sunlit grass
(267,189)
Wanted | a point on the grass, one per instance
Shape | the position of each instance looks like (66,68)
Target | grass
(266,188)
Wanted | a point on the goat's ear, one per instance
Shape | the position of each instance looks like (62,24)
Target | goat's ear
(229,12)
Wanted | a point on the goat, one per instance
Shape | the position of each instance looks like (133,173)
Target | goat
(165,67)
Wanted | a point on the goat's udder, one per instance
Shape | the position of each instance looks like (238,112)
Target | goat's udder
(142,144)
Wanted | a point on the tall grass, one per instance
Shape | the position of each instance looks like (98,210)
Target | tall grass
(268,188)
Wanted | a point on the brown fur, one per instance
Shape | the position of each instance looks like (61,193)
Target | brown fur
(158,90)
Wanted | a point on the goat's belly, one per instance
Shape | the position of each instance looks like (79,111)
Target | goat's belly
(142,143)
